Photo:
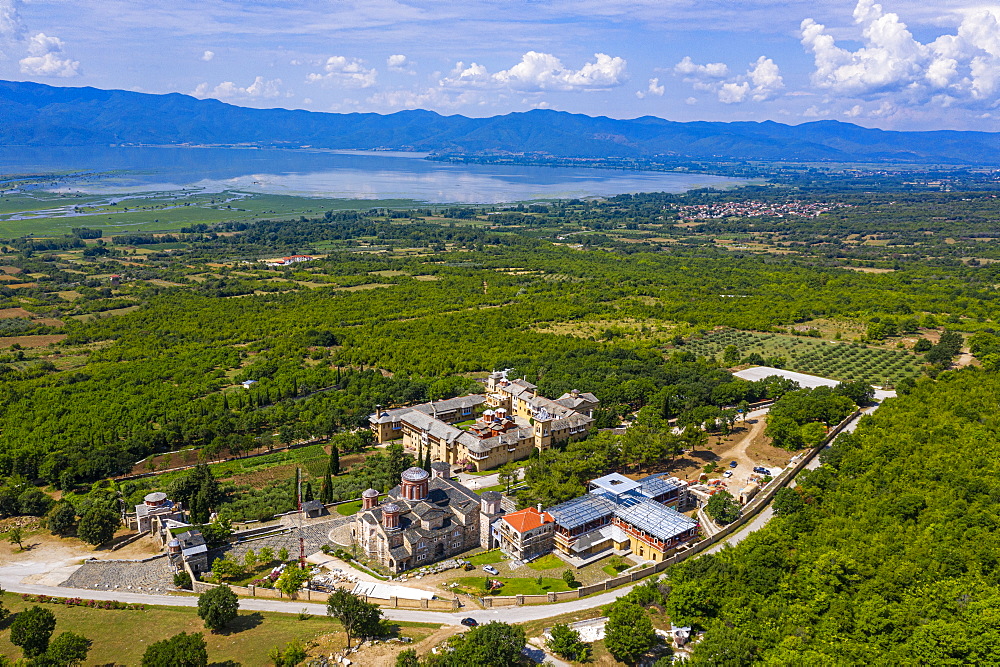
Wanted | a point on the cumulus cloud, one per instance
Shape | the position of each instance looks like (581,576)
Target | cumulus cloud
(654,88)
(208,55)
(540,72)
(960,68)
(761,81)
(397,62)
(46,58)
(343,71)
(259,89)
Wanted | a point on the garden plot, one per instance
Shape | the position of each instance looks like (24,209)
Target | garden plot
(832,359)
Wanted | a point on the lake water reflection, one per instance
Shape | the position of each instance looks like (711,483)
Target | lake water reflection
(347,175)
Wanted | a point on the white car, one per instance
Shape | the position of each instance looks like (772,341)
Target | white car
(728,473)
(489,569)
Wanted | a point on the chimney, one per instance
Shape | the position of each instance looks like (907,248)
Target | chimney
(539,508)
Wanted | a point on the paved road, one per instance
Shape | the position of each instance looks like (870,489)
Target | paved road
(13,576)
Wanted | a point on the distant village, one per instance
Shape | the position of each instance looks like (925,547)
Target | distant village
(752,208)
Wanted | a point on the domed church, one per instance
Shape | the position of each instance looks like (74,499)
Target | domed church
(426,518)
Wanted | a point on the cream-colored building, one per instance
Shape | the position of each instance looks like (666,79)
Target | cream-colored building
(517,422)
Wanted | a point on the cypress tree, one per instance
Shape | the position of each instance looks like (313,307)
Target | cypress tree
(427,460)
(326,489)
(308,495)
(334,468)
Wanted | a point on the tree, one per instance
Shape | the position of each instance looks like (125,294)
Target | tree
(565,642)
(98,525)
(491,645)
(507,474)
(68,649)
(359,617)
(218,607)
(31,630)
(4,612)
(16,536)
(291,580)
(334,460)
(265,555)
(182,650)
(62,519)
(326,488)
(787,501)
(307,495)
(227,567)
(629,633)
(407,658)
(723,508)
(283,555)
(568,577)
(293,654)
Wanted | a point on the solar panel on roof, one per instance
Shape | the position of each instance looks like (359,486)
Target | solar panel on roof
(580,511)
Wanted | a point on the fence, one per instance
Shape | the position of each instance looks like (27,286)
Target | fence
(749,512)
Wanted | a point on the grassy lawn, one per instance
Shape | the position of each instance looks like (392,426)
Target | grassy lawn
(614,571)
(547,562)
(515,586)
(347,509)
(488,558)
(497,487)
(121,637)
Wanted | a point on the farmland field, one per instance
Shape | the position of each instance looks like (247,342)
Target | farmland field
(832,359)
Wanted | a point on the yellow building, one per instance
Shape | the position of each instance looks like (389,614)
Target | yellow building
(517,422)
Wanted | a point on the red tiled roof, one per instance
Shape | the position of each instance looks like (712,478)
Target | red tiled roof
(527,519)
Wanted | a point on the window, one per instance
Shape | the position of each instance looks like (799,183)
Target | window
(421,556)
(456,545)
(422,545)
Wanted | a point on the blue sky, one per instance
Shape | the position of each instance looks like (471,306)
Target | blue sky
(899,64)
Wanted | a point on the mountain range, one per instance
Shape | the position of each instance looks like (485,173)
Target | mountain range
(33,114)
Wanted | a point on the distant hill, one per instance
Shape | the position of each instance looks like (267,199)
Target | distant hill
(39,115)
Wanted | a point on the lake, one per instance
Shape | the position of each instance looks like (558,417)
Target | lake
(346,175)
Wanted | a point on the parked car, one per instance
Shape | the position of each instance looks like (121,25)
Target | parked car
(489,569)
(728,473)
(762,471)
(733,464)
(469,622)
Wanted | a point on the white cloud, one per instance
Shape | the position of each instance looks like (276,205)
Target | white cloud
(46,58)
(761,81)
(424,99)
(689,68)
(541,71)
(11,30)
(654,88)
(398,62)
(227,90)
(208,55)
(954,68)
(343,71)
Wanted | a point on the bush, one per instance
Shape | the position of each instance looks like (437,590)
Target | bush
(182,580)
